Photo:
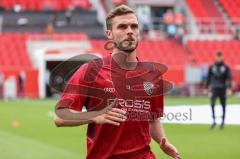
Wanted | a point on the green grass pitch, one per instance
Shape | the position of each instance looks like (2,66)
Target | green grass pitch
(27,132)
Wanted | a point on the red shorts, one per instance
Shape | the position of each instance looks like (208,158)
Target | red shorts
(144,153)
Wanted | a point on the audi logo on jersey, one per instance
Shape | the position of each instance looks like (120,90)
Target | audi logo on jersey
(111,90)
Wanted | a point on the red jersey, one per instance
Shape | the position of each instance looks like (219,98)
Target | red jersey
(131,139)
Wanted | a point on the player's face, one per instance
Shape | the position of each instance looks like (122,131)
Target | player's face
(219,58)
(125,32)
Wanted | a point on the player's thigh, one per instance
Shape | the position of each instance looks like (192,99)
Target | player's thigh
(149,155)
(213,97)
(223,99)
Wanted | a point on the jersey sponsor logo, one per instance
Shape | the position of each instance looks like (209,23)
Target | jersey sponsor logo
(137,104)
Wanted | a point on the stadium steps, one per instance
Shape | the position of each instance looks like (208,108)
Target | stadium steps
(224,15)
(203,8)
(206,14)
(232,10)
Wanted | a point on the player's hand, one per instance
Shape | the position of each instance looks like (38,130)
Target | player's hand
(229,92)
(205,91)
(209,93)
(169,149)
(111,115)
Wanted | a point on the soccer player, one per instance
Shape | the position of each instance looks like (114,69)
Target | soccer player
(218,81)
(112,134)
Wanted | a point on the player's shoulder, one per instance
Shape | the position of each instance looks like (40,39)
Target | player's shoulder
(226,65)
(97,63)
(90,69)
(212,66)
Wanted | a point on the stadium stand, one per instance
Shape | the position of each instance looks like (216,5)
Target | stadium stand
(118,2)
(30,24)
(36,5)
(207,15)
(232,9)
(59,37)
(204,51)
(81,21)
(203,8)
(13,48)
(14,59)
(13,51)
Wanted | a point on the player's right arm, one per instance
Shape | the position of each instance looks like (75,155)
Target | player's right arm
(109,115)
(207,86)
(68,123)
(69,108)
(209,76)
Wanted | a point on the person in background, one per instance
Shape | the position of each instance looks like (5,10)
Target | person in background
(21,84)
(170,27)
(47,86)
(219,83)
(144,17)
(49,30)
(68,15)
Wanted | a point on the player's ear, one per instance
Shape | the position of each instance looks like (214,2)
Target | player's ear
(109,34)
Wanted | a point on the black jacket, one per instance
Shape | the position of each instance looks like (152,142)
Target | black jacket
(219,76)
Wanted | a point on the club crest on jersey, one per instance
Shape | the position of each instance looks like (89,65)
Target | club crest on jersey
(222,69)
(148,87)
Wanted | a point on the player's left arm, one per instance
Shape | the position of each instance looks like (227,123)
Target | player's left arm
(159,136)
(229,82)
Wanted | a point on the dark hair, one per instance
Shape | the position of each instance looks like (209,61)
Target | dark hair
(219,54)
(118,11)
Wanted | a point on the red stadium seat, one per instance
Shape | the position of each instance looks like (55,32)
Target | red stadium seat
(204,51)
(35,5)
(13,50)
(232,9)
(206,13)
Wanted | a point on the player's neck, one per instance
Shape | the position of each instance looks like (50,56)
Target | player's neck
(129,57)
(125,60)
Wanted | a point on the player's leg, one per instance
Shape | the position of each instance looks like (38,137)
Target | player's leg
(213,101)
(223,103)
(149,155)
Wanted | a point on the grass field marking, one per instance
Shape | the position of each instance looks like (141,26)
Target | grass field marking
(26,148)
